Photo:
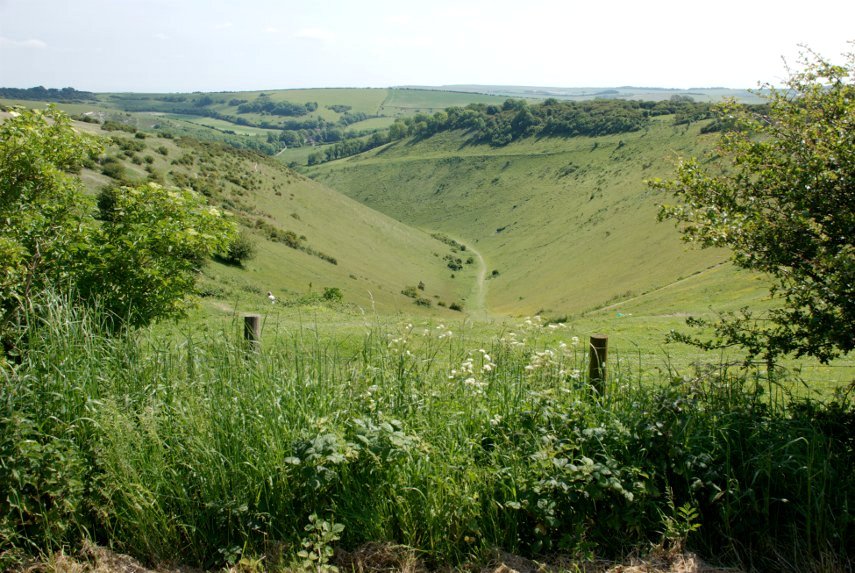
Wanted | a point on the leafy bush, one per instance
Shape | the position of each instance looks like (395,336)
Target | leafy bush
(453,263)
(113,168)
(779,197)
(138,265)
(332,294)
(410,291)
(241,250)
(110,125)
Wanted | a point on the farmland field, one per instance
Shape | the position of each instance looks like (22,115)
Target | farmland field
(371,124)
(221,125)
(402,101)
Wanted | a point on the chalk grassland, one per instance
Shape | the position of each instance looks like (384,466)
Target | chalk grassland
(570,228)
(569,224)
(633,279)
(535,211)
(376,257)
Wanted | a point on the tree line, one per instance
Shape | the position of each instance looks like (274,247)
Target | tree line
(41,93)
(516,119)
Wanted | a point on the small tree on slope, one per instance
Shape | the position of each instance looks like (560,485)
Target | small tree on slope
(780,195)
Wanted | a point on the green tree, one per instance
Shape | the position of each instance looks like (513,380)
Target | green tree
(139,262)
(780,195)
(142,262)
(42,208)
(242,249)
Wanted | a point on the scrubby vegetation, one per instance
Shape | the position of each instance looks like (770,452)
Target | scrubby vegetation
(415,435)
(137,264)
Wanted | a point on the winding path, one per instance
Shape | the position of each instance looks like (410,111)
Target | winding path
(477,299)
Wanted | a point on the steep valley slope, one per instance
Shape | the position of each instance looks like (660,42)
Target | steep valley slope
(565,225)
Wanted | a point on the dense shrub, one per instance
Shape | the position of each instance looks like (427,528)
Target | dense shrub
(113,168)
(332,294)
(242,249)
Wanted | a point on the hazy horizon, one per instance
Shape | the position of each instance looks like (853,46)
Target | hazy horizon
(220,45)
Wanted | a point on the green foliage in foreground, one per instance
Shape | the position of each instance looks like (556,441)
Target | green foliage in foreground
(200,453)
(138,263)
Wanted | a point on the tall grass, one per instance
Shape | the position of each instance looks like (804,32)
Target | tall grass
(195,451)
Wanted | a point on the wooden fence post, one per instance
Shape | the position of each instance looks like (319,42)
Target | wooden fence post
(597,362)
(252,332)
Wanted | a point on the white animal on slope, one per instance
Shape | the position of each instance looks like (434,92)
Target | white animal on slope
(271,298)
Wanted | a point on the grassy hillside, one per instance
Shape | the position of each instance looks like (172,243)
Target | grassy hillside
(294,122)
(567,223)
(308,237)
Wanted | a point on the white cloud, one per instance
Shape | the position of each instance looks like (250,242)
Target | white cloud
(271,30)
(161,36)
(223,26)
(320,34)
(31,43)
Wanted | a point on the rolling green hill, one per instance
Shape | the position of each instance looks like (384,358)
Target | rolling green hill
(308,238)
(552,224)
(567,224)
(293,123)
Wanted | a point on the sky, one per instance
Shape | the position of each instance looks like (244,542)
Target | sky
(229,45)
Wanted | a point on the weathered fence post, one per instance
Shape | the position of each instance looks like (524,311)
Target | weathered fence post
(597,362)
(252,332)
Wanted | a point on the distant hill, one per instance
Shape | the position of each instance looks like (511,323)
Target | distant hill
(269,121)
(709,94)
